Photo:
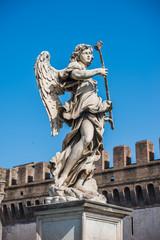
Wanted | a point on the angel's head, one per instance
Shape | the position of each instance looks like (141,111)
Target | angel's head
(82,53)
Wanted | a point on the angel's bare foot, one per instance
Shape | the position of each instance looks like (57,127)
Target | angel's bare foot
(79,185)
(61,180)
(81,188)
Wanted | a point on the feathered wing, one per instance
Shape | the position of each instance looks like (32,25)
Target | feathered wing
(50,88)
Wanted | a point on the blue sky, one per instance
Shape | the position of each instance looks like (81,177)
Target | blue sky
(130,31)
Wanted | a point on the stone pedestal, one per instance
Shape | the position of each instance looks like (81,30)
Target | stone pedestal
(79,220)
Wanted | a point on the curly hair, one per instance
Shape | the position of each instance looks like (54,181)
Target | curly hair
(78,50)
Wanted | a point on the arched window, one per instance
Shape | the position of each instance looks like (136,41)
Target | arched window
(127,195)
(21,210)
(105,193)
(28,203)
(116,196)
(151,192)
(139,195)
(13,211)
(37,202)
(5,212)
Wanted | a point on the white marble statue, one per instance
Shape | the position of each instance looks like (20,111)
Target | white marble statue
(85,112)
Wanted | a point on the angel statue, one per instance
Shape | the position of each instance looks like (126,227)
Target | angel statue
(73,167)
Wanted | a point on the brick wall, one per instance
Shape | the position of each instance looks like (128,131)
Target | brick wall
(126,184)
(131,185)
(25,185)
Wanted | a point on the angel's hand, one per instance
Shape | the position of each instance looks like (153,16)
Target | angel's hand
(110,105)
(103,72)
(108,119)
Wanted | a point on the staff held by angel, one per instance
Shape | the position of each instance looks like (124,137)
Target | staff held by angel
(85,112)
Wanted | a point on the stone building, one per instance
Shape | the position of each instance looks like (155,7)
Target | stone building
(2,186)
(26,185)
(131,185)
(136,186)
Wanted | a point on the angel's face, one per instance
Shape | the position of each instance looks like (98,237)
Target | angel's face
(86,57)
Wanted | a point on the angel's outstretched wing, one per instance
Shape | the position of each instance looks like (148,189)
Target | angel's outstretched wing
(50,88)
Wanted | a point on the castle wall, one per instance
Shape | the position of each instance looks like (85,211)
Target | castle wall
(25,231)
(26,185)
(130,185)
(2,186)
(143,224)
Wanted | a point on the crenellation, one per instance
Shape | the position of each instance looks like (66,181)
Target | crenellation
(27,173)
(103,162)
(30,173)
(22,175)
(2,185)
(121,156)
(14,176)
(3,173)
(8,177)
(144,152)
(40,171)
(47,171)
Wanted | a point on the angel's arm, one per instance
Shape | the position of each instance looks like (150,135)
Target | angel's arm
(85,74)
